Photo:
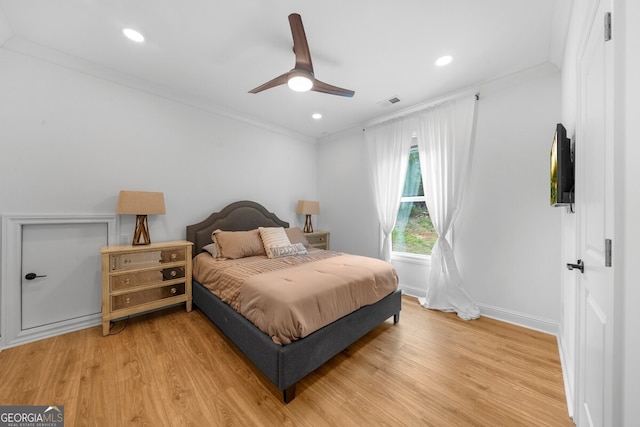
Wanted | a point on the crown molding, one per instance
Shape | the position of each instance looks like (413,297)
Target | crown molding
(25,47)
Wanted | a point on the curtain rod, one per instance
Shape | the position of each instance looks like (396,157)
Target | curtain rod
(423,106)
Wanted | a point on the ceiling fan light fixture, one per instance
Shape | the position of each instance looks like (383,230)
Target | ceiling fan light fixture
(299,83)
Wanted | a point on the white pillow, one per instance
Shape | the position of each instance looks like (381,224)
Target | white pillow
(273,237)
(212,248)
(288,250)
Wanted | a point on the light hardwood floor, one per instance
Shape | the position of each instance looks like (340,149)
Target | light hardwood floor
(173,368)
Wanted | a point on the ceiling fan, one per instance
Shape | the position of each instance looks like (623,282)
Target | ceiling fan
(301,77)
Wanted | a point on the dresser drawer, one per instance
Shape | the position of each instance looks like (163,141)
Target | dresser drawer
(132,299)
(316,239)
(172,273)
(133,260)
(139,278)
(172,255)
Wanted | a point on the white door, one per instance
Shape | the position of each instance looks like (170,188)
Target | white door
(65,260)
(594,209)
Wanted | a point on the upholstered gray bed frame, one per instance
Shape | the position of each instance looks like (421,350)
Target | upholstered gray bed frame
(283,365)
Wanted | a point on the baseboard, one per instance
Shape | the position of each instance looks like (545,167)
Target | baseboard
(498,313)
(412,292)
(67,326)
(568,389)
(520,319)
(59,328)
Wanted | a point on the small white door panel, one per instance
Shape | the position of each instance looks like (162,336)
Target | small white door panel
(68,257)
(65,248)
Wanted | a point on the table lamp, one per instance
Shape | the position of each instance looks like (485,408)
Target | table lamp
(308,208)
(140,204)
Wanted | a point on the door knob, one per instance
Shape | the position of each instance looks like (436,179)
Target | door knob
(31,276)
(578,266)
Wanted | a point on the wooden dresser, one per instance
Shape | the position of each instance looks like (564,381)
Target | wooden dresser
(318,239)
(146,277)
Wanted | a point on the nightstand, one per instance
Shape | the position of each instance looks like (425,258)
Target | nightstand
(318,239)
(136,279)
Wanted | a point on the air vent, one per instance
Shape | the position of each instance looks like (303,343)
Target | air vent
(389,101)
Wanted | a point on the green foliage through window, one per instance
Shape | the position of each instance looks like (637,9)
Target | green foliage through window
(414,232)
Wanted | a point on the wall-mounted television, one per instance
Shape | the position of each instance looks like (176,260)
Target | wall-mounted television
(562,171)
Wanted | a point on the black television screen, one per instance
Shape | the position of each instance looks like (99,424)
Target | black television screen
(562,177)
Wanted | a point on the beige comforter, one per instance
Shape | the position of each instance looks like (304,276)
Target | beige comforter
(289,298)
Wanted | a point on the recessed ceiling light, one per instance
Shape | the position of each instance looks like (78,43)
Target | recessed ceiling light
(444,60)
(134,35)
(316,116)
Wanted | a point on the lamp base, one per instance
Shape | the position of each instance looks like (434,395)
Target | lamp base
(141,235)
(308,228)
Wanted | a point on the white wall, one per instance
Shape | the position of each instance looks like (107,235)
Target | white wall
(69,142)
(347,208)
(507,236)
(506,239)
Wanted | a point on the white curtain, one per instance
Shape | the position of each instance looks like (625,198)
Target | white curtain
(388,145)
(444,134)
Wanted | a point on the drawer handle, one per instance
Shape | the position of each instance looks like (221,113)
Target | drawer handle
(174,273)
(127,300)
(174,255)
(127,281)
(173,291)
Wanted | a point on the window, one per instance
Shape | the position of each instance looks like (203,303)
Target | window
(414,232)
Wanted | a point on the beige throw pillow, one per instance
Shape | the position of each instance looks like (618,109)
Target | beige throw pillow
(238,244)
(295,235)
(273,237)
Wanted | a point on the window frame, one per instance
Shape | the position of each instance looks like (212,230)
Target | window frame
(408,256)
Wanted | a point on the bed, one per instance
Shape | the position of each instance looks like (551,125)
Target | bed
(283,365)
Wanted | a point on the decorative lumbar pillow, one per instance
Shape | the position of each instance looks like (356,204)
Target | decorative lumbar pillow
(238,244)
(295,236)
(273,237)
(288,250)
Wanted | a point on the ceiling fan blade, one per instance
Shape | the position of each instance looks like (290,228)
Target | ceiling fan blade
(304,66)
(280,80)
(300,46)
(323,87)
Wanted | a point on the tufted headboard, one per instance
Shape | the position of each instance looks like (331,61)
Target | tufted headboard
(238,216)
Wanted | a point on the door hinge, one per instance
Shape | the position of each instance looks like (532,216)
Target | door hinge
(607,26)
(607,252)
